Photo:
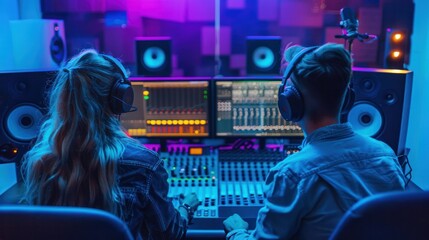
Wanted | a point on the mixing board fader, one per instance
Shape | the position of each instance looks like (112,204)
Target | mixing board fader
(226,181)
(242,176)
(194,172)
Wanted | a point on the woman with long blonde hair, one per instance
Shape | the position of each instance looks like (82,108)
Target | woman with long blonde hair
(83,158)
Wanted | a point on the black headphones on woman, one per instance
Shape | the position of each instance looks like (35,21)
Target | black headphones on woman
(121,94)
(290,100)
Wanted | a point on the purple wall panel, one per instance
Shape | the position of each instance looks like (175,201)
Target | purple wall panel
(116,5)
(330,33)
(124,46)
(208,40)
(80,43)
(177,72)
(369,22)
(174,61)
(236,4)
(237,61)
(190,24)
(171,10)
(300,14)
(198,10)
(268,10)
(290,41)
(88,6)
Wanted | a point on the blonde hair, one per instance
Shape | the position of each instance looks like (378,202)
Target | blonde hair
(74,160)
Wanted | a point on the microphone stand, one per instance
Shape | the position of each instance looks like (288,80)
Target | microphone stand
(351,32)
(349,38)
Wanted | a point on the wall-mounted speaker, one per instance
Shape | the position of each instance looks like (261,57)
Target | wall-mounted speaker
(382,105)
(23,105)
(38,44)
(263,55)
(153,56)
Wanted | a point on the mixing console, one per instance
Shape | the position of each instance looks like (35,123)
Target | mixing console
(242,176)
(194,173)
(226,181)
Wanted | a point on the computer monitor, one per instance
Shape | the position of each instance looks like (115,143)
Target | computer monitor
(248,107)
(169,107)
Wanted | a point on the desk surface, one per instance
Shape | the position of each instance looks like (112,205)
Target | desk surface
(13,195)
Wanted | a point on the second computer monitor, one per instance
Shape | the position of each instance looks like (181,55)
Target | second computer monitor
(248,107)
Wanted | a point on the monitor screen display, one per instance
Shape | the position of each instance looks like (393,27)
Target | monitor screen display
(176,108)
(249,108)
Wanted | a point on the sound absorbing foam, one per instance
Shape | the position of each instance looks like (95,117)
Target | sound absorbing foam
(208,40)
(198,10)
(268,10)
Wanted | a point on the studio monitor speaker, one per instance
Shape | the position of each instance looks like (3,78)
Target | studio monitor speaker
(38,43)
(382,105)
(153,56)
(23,105)
(263,55)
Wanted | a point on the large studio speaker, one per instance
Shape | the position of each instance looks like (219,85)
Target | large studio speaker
(382,105)
(23,105)
(38,43)
(263,55)
(153,56)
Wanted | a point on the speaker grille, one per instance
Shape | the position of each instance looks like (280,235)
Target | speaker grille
(153,56)
(366,119)
(23,122)
(263,58)
(23,101)
(382,103)
(263,55)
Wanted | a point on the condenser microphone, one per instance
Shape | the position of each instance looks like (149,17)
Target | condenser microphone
(350,25)
(349,22)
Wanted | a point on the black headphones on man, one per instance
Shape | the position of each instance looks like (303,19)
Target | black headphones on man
(121,95)
(290,100)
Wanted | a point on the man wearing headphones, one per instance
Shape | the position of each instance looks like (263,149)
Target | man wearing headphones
(308,192)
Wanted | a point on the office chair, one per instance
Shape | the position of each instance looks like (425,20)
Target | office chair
(395,215)
(49,223)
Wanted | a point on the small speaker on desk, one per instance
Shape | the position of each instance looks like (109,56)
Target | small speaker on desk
(153,56)
(263,55)
(23,105)
(382,105)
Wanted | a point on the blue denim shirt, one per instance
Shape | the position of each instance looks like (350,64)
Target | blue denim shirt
(308,192)
(146,209)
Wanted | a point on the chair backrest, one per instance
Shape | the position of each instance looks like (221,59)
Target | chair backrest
(395,215)
(48,223)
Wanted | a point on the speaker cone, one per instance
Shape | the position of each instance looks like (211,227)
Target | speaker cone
(23,122)
(365,119)
(263,58)
(57,47)
(153,58)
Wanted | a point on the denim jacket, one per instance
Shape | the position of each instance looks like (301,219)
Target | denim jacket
(308,192)
(147,211)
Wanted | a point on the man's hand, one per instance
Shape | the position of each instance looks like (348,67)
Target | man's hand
(234,222)
(192,200)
